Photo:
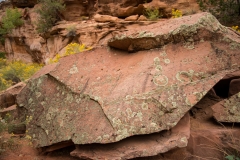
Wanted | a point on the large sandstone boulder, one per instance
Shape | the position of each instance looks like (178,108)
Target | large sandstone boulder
(106,95)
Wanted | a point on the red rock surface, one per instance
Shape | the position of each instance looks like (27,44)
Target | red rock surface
(228,110)
(129,94)
(8,97)
(139,146)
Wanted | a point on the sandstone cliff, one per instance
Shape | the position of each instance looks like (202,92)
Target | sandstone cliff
(26,44)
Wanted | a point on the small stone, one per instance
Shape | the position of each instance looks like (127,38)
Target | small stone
(132,18)
(142,18)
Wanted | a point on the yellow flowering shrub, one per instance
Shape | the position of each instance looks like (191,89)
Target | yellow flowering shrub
(4,83)
(236,28)
(14,72)
(176,13)
(71,48)
(3,62)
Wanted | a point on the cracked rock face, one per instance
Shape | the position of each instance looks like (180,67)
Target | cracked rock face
(228,110)
(188,30)
(138,146)
(105,95)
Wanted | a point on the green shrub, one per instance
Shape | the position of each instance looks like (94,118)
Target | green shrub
(49,13)
(3,125)
(11,20)
(2,55)
(232,157)
(152,13)
(226,11)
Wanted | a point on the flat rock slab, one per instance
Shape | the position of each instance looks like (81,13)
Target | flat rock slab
(228,110)
(106,95)
(188,30)
(138,146)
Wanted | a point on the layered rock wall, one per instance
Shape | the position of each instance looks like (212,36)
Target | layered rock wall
(26,44)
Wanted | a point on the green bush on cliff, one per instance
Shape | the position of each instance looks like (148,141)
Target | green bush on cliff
(12,19)
(226,11)
(49,14)
(152,13)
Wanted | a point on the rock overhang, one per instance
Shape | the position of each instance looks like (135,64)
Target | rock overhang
(187,30)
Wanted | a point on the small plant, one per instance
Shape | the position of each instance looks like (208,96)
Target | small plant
(84,18)
(71,31)
(11,20)
(71,48)
(152,13)
(28,120)
(226,11)
(7,117)
(49,13)
(3,125)
(176,13)
(236,28)
(2,55)
(8,144)
(4,84)
(232,157)
(3,62)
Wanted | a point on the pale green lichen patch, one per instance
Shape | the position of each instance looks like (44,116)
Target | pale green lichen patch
(158,68)
(73,70)
(190,76)
(54,115)
(167,61)
(229,111)
(160,80)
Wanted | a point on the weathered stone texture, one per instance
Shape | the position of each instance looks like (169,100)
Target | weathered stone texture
(106,95)
(139,146)
(228,110)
